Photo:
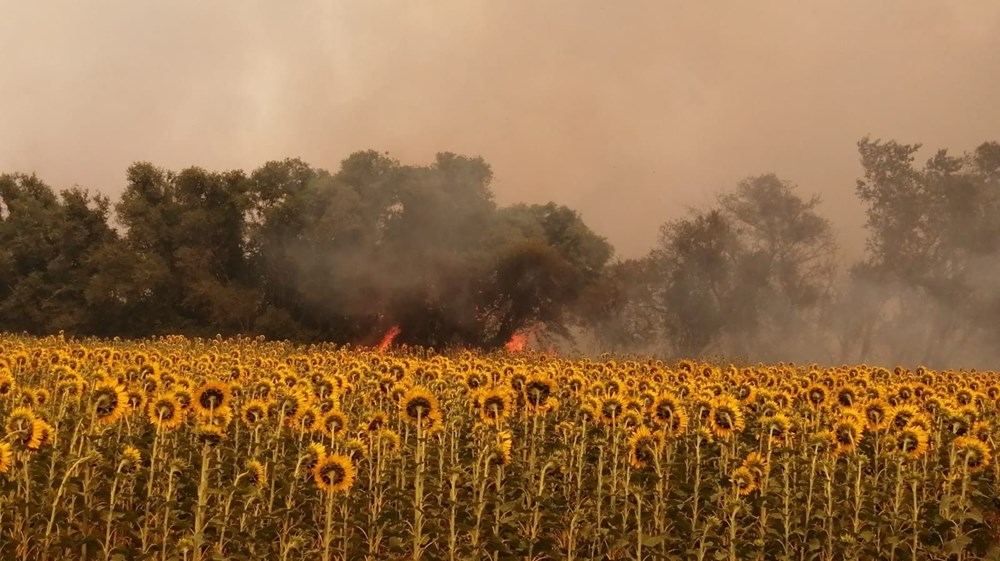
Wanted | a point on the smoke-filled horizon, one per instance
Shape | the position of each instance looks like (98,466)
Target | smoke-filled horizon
(628,113)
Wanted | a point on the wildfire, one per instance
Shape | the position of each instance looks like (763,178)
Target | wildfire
(387,339)
(518,342)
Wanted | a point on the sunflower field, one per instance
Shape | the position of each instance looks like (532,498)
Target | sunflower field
(197,449)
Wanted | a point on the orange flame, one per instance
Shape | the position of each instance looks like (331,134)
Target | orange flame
(387,339)
(518,342)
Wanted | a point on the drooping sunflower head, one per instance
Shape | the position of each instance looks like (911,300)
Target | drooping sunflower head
(757,464)
(815,395)
(210,434)
(643,447)
(22,427)
(308,419)
(495,406)
(313,455)
(256,473)
(356,449)
(743,480)
(912,441)
(900,416)
(972,453)
(6,457)
(847,432)
(388,440)
(165,411)
(334,423)
(7,384)
(419,404)
(725,417)
(611,409)
(537,390)
(847,395)
(664,408)
(334,473)
(212,395)
(109,402)
(500,452)
(131,459)
(877,413)
(44,434)
(254,411)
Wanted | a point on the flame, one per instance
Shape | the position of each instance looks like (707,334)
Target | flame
(387,339)
(518,342)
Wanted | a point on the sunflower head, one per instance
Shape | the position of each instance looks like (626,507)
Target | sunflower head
(643,447)
(256,474)
(210,434)
(972,453)
(756,463)
(847,432)
(212,395)
(109,402)
(254,411)
(743,480)
(912,441)
(494,406)
(725,416)
(131,459)
(500,452)
(419,404)
(334,473)
(165,411)
(334,423)
(6,457)
(537,390)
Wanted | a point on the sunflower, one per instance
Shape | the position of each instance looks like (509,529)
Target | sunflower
(847,395)
(165,411)
(912,441)
(22,426)
(824,441)
(334,473)
(42,396)
(419,403)
(500,452)
(815,395)
(744,481)
(756,463)
(7,384)
(900,415)
(611,408)
(494,406)
(254,411)
(877,413)
(376,421)
(981,430)
(45,433)
(313,455)
(334,423)
(643,445)
(777,427)
(307,419)
(725,417)
(388,440)
(210,434)
(6,457)
(357,449)
(256,473)
(537,390)
(212,395)
(131,459)
(848,432)
(972,453)
(109,402)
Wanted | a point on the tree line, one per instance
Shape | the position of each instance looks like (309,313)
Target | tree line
(290,251)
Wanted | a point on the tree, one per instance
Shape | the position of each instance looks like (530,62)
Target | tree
(934,233)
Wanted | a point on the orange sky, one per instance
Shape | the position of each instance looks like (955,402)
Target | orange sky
(627,111)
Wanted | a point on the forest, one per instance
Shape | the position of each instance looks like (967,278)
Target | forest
(293,252)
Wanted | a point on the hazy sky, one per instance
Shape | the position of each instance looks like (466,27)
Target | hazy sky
(627,111)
